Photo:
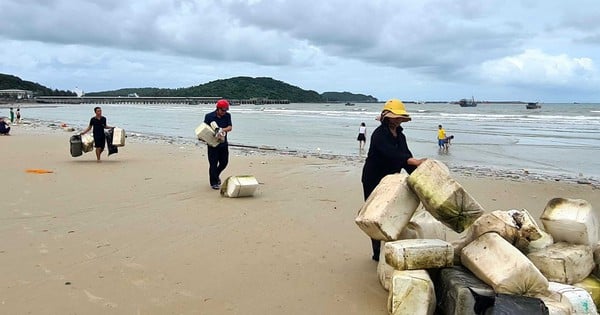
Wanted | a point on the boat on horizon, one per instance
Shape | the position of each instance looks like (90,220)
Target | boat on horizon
(533,105)
(349,104)
(467,103)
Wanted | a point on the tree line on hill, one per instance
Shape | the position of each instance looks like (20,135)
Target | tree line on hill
(9,82)
(233,88)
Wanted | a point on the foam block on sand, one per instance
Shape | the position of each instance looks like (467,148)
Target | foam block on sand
(499,264)
(411,292)
(563,262)
(571,220)
(418,254)
(388,209)
(239,186)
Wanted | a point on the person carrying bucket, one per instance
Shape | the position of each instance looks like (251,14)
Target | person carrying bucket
(218,157)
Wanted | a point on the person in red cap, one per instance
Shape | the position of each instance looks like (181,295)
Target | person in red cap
(218,156)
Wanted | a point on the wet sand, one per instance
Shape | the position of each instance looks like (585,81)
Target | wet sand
(143,232)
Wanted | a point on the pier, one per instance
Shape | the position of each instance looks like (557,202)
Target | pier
(150,100)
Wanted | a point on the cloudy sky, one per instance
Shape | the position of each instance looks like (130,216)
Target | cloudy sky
(546,50)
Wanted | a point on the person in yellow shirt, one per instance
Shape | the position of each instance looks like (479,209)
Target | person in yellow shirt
(441,137)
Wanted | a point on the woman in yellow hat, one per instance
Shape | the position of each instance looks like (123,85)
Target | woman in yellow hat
(388,152)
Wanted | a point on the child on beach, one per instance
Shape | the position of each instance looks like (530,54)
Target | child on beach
(447,142)
(441,137)
(362,136)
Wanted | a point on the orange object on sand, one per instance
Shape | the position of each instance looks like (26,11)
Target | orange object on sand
(38,171)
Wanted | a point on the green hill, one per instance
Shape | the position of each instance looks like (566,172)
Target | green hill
(245,88)
(8,81)
(347,97)
(233,88)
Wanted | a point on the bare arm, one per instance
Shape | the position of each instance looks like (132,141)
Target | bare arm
(86,130)
(415,162)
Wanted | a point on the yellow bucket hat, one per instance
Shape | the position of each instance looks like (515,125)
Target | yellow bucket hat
(395,109)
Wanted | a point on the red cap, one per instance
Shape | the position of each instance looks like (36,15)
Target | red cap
(223,104)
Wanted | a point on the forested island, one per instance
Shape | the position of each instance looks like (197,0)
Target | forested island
(232,88)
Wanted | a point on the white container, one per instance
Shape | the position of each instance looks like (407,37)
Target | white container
(592,285)
(87,142)
(423,225)
(388,209)
(118,139)
(555,306)
(419,254)
(411,292)
(563,262)
(444,197)
(579,299)
(515,226)
(571,220)
(206,133)
(541,243)
(239,186)
(503,267)
(384,270)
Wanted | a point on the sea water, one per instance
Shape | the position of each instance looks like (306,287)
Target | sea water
(562,139)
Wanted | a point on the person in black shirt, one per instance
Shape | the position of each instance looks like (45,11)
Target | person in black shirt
(98,124)
(218,157)
(388,153)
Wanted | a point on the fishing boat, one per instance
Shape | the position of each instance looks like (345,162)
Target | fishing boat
(535,105)
(349,104)
(467,103)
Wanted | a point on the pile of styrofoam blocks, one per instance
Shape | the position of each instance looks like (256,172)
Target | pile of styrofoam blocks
(501,260)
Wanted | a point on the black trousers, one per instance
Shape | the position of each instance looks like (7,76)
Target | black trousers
(217,159)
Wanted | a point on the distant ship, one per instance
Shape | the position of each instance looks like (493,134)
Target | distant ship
(467,103)
(349,104)
(533,105)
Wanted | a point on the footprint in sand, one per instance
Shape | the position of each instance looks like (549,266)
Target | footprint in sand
(97,299)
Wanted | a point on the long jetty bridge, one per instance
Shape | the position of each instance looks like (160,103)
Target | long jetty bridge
(150,100)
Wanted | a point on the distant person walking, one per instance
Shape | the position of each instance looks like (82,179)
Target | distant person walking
(388,153)
(218,157)
(18,115)
(362,136)
(98,124)
(441,137)
(12,116)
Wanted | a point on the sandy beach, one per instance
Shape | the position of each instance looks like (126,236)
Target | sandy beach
(143,232)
